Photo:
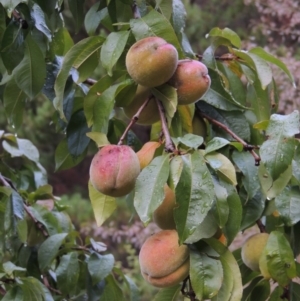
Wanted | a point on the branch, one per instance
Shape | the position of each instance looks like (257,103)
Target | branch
(169,146)
(224,57)
(246,146)
(286,293)
(134,119)
(46,283)
(18,17)
(135,11)
(90,81)
(261,226)
(6,182)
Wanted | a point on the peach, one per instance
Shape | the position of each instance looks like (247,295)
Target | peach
(163,261)
(151,61)
(191,80)
(163,215)
(150,113)
(114,170)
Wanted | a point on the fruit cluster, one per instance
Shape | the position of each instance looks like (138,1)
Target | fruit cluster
(152,62)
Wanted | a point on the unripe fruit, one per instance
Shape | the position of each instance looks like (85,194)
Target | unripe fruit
(191,80)
(252,250)
(151,61)
(199,126)
(163,215)
(163,262)
(114,170)
(150,113)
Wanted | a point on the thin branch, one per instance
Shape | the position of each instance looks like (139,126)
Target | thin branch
(169,145)
(135,11)
(134,119)
(246,146)
(286,293)
(18,17)
(2,291)
(90,81)
(46,283)
(261,226)
(224,57)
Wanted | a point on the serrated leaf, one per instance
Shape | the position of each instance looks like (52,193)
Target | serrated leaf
(228,34)
(77,55)
(155,24)
(14,103)
(261,67)
(149,187)
(93,18)
(279,258)
(278,151)
(244,162)
(194,195)
(100,266)
(49,248)
(103,205)
(112,49)
(215,144)
(288,205)
(206,275)
(30,74)
(272,59)
(67,272)
(223,165)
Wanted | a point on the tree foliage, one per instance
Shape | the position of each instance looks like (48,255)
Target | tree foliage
(242,170)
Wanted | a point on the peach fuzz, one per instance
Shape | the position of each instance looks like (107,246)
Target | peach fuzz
(114,170)
(163,262)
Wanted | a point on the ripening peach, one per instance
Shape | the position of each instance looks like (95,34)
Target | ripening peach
(163,261)
(151,61)
(114,170)
(191,80)
(150,113)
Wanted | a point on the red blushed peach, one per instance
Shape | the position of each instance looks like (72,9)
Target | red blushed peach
(191,80)
(114,170)
(151,61)
(163,262)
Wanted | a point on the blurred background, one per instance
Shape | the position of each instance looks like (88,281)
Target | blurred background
(271,24)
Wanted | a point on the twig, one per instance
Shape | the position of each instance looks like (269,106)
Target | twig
(261,226)
(169,146)
(46,283)
(90,81)
(225,57)
(246,146)
(18,17)
(6,183)
(286,293)
(134,119)
(2,291)
(135,10)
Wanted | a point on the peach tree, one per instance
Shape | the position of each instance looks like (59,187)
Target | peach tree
(217,160)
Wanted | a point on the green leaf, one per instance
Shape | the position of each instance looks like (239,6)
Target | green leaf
(221,208)
(63,157)
(295,289)
(245,163)
(215,144)
(228,34)
(191,140)
(272,59)
(32,289)
(49,249)
(227,256)
(206,275)
(112,49)
(76,134)
(93,18)
(194,195)
(149,187)
(40,21)
(61,42)
(168,293)
(112,291)
(75,57)
(30,74)
(155,24)
(77,10)
(176,166)
(9,268)
(103,205)
(15,294)
(278,151)
(279,258)
(10,5)
(100,266)
(168,96)
(277,293)
(14,103)
(67,273)
(261,67)
(288,205)
(261,291)
(99,138)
